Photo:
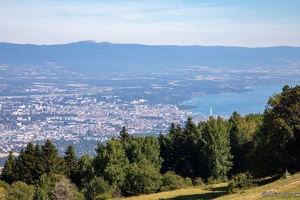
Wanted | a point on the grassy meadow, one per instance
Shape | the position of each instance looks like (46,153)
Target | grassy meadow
(281,189)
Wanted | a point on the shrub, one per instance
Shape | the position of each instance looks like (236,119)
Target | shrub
(188,181)
(198,181)
(172,181)
(96,187)
(240,182)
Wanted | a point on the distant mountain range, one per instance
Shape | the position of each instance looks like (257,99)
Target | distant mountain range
(89,56)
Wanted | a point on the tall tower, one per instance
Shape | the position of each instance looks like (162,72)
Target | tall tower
(211,114)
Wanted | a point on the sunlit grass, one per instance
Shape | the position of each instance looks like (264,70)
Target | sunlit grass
(191,193)
(287,188)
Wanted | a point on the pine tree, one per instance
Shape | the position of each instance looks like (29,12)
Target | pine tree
(27,164)
(124,135)
(50,161)
(71,162)
(9,172)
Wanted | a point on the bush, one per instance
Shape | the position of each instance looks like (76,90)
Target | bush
(172,181)
(240,182)
(188,181)
(96,187)
(198,181)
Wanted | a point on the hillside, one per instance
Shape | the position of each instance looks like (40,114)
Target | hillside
(288,186)
(102,57)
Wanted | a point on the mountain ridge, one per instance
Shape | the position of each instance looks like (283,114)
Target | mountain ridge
(104,56)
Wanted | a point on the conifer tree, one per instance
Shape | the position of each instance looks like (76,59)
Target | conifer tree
(71,162)
(50,161)
(9,172)
(27,164)
(123,135)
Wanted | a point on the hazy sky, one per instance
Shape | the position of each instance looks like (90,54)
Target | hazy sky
(249,23)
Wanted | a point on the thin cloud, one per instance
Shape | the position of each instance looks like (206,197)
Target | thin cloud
(156,22)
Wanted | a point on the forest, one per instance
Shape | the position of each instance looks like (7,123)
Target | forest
(236,151)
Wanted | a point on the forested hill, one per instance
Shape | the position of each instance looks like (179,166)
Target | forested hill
(94,57)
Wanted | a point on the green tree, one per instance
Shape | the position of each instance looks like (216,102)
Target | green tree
(168,147)
(124,135)
(278,146)
(86,171)
(9,171)
(96,187)
(179,149)
(139,148)
(71,161)
(43,187)
(40,194)
(242,130)
(111,162)
(20,190)
(28,163)
(50,162)
(217,148)
(142,178)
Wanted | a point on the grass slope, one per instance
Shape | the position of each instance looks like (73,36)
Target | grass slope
(281,189)
(191,193)
(288,189)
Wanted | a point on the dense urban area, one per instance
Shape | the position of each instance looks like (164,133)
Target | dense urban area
(47,101)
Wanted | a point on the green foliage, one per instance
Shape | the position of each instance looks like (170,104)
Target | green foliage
(139,148)
(50,161)
(20,190)
(9,171)
(217,148)
(240,182)
(28,162)
(242,130)
(123,135)
(172,181)
(278,145)
(179,149)
(71,161)
(86,171)
(198,181)
(188,181)
(40,194)
(3,193)
(97,186)
(112,163)
(142,178)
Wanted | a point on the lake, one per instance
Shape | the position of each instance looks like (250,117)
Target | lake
(244,103)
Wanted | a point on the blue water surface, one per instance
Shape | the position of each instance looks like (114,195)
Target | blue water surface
(244,103)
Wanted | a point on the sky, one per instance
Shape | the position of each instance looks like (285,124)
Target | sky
(246,23)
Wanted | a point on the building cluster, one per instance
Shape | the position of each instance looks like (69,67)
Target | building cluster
(78,117)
